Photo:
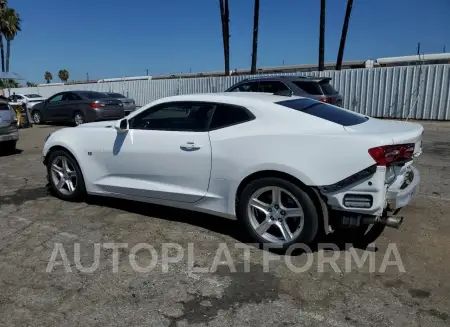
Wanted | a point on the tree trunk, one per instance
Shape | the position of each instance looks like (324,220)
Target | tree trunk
(322,36)
(8,53)
(255,37)
(344,35)
(225,36)
(2,53)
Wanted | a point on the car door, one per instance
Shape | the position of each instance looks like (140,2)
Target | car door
(69,104)
(53,109)
(165,154)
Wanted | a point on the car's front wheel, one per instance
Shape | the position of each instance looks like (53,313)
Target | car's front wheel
(65,177)
(276,211)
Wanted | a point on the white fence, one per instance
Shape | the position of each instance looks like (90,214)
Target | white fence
(416,92)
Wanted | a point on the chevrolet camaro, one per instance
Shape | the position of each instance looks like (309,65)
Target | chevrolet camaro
(288,168)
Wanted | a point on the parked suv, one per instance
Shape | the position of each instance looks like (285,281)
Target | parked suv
(9,133)
(317,88)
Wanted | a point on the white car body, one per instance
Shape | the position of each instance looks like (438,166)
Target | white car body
(29,101)
(153,165)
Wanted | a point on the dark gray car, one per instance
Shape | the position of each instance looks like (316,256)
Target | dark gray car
(128,104)
(317,88)
(78,107)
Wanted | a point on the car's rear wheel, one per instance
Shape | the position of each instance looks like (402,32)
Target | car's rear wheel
(37,117)
(78,118)
(276,211)
(65,177)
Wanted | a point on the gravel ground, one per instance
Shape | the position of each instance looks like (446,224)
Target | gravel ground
(33,222)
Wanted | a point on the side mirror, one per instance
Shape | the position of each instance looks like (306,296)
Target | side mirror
(121,126)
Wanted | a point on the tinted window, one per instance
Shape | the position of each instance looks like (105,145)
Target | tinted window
(327,88)
(227,115)
(175,116)
(324,111)
(71,97)
(116,95)
(246,87)
(95,95)
(33,95)
(309,87)
(56,98)
(4,106)
(271,86)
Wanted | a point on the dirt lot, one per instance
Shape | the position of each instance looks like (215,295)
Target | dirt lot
(32,222)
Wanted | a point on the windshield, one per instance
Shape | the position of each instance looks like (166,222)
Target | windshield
(33,96)
(325,111)
(116,95)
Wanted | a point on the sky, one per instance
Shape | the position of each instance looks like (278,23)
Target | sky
(112,38)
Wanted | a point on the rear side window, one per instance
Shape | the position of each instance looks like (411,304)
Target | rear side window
(271,86)
(227,115)
(95,95)
(324,111)
(4,106)
(245,87)
(327,88)
(309,87)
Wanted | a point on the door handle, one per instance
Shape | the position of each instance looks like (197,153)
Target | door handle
(190,146)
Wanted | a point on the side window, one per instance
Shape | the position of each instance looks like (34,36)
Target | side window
(175,116)
(227,115)
(246,87)
(71,97)
(56,98)
(271,86)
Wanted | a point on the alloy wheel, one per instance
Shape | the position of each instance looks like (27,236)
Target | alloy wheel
(275,214)
(37,117)
(79,119)
(64,176)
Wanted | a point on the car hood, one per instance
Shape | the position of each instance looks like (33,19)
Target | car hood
(108,123)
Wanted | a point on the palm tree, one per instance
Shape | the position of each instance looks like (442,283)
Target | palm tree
(255,37)
(225,19)
(63,74)
(10,21)
(344,35)
(322,36)
(3,4)
(48,76)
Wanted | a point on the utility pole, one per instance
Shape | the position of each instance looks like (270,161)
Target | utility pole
(418,48)
(87,77)
(147,71)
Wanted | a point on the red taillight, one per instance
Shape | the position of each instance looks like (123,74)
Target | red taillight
(96,105)
(325,100)
(388,154)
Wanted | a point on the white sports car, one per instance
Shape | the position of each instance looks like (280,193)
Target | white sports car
(287,167)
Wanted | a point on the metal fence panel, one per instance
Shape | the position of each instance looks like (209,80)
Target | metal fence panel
(417,92)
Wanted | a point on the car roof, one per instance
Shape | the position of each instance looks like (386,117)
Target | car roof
(231,97)
(289,78)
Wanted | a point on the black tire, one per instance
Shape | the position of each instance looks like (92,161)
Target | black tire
(311,218)
(8,147)
(37,117)
(361,236)
(80,189)
(78,118)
